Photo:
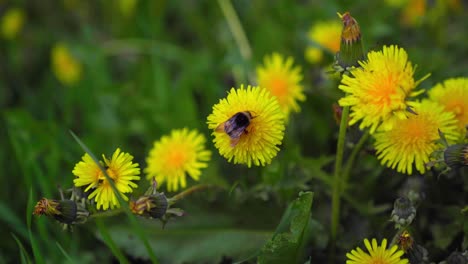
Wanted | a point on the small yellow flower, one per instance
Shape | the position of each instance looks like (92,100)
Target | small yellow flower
(377,93)
(12,22)
(119,168)
(413,12)
(326,35)
(453,95)
(127,7)
(67,68)
(413,140)
(282,79)
(258,144)
(377,254)
(175,155)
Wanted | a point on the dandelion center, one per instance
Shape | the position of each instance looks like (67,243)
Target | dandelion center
(176,159)
(279,88)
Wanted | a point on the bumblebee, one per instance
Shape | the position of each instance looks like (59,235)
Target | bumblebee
(236,126)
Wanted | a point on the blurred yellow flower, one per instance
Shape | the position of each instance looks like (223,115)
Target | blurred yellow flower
(413,140)
(326,35)
(66,68)
(175,155)
(453,95)
(377,93)
(12,22)
(413,12)
(377,254)
(127,7)
(119,168)
(282,79)
(255,123)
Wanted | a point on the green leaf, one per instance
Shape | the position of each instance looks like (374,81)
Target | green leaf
(287,242)
(185,244)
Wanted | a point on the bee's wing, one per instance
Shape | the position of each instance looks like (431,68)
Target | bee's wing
(220,127)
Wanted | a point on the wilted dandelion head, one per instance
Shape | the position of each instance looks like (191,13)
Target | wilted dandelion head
(452,94)
(376,254)
(378,92)
(119,168)
(326,35)
(258,144)
(65,66)
(412,140)
(282,79)
(175,155)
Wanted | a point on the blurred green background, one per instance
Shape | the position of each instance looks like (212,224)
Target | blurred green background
(148,67)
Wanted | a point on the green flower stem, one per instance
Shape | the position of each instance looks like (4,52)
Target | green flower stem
(337,177)
(106,213)
(350,162)
(189,191)
(236,28)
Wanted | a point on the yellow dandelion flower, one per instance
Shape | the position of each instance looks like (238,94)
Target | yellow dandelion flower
(175,155)
(325,34)
(67,68)
(413,140)
(254,139)
(378,91)
(119,168)
(12,22)
(127,7)
(377,254)
(282,79)
(453,95)
(413,12)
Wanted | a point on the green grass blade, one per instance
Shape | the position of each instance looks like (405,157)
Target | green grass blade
(133,221)
(38,258)
(10,218)
(64,252)
(24,256)
(109,242)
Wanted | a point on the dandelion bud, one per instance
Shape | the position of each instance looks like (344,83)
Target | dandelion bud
(64,211)
(403,212)
(351,50)
(405,241)
(418,254)
(456,155)
(153,206)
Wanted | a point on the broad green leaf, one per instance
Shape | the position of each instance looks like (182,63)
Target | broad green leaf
(286,244)
(192,244)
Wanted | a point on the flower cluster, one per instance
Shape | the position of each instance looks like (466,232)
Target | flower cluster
(382,94)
